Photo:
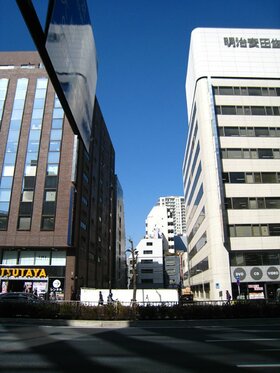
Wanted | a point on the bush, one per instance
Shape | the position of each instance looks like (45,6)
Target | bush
(117,311)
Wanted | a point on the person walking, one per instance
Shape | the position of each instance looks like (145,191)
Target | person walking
(100,300)
(228,296)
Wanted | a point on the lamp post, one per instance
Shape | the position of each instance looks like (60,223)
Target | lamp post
(134,253)
(203,292)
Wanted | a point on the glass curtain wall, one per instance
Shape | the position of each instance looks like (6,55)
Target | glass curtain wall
(3,93)
(51,181)
(32,155)
(6,181)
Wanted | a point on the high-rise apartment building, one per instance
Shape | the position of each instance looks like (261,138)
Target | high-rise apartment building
(231,167)
(176,204)
(57,201)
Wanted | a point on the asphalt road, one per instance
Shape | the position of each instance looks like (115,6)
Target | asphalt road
(182,346)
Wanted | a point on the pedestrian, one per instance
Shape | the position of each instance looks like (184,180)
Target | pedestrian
(110,298)
(278,295)
(100,301)
(228,297)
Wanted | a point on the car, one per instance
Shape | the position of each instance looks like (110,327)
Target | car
(21,304)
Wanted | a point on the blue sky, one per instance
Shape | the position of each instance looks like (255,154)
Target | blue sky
(142,48)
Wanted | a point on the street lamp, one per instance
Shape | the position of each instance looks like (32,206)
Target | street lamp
(134,254)
(203,292)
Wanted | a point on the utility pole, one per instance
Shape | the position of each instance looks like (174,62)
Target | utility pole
(134,253)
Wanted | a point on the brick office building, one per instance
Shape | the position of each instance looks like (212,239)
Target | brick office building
(57,223)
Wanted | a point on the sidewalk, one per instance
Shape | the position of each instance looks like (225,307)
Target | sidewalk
(111,324)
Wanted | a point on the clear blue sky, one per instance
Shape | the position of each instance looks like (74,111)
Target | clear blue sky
(142,48)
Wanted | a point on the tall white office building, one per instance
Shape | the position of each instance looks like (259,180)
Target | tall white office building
(176,204)
(231,168)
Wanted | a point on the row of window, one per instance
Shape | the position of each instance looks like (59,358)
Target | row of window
(192,136)
(30,257)
(247,110)
(251,177)
(251,230)
(8,169)
(247,91)
(197,224)
(261,153)
(196,202)
(51,179)
(32,155)
(200,267)
(3,92)
(198,172)
(186,171)
(254,258)
(190,161)
(198,246)
(253,203)
(250,131)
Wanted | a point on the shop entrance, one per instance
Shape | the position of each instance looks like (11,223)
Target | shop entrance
(39,288)
(271,290)
(15,285)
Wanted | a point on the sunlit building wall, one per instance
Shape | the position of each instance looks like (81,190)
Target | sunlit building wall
(232,163)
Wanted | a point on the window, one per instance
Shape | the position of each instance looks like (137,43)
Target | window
(269,177)
(147,270)
(30,171)
(261,131)
(147,281)
(56,134)
(243,230)
(256,230)
(4,208)
(254,91)
(42,257)
(52,169)
(47,223)
(27,196)
(258,110)
(253,203)
(234,153)
(231,131)
(147,252)
(237,177)
(149,244)
(264,230)
(5,195)
(50,196)
(274,229)
(25,208)
(57,123)
(226,91)
(58,258)
(10,257)
(28,182)
(265,154)
(24,223)
(53,157)
(51,181)
(26,257)
(228,110)
(54,146)
(272,203)
(8,170)
(240,203)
